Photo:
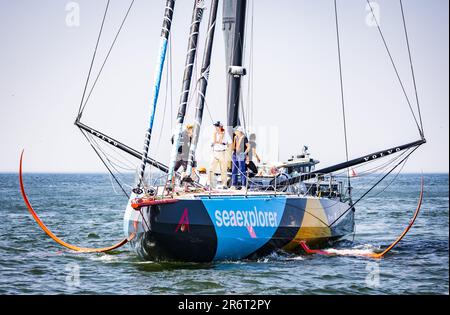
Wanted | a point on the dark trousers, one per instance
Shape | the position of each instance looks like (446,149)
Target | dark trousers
(183,163)
(238,170)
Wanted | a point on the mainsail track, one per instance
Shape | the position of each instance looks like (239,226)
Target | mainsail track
(53,236)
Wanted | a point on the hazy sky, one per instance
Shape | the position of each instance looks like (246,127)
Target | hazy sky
(44,63)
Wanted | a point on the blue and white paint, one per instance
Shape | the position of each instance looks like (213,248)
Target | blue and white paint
(243,225)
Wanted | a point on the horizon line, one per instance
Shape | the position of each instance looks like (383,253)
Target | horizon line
(132,173)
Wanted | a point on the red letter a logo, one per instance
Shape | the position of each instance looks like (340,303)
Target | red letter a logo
(183,225)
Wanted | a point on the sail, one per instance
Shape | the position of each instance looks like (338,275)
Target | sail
(234,12)
(197,15)
(165,32)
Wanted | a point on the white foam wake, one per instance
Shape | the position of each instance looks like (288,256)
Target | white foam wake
(359,250)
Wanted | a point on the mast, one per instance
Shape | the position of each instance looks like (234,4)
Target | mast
(203,84)
(234,12)
(190,59)
(165,32)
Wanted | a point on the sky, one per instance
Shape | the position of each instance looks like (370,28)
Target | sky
(47,46)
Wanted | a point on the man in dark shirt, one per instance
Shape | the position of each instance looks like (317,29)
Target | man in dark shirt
(183,149)
(240,152)
(251,155)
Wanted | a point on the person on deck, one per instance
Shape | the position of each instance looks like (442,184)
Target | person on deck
(240,151)
(251,166)
(183,150)
(219,146)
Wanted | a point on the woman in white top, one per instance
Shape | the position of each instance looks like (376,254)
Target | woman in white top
(220,145)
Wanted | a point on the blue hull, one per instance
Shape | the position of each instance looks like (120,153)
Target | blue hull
(204,229)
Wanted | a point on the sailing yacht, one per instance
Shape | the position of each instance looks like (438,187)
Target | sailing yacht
(297,208)
(274,213)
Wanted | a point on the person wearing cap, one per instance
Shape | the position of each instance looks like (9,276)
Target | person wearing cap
(219,146)
(183,149)
(240,151)
(251,166)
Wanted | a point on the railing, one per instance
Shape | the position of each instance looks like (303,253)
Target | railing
(323,185)
(314,186)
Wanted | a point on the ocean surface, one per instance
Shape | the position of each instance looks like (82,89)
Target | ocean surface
(83,209)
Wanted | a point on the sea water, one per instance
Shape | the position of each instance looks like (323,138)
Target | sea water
(84,209)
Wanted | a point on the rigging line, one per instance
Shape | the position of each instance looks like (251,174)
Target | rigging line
(374,185)
(247,60)
(377,168)
(82,107)
(197,74)
(249,41)
(252,65)
(117,163)
(394,66)
(112,164)
(120,164)
(235,48)
(390,183)
(168,82)
(384,166)
(93,59)
(108,157)
(193,86)
(369,171)
(165,105)
(411,66)
(112,184)
(357,191)
(251,72)
(171,82)
(379,181)
(342,90)
(194,94)
(207,109)
(126,163)
(243,44)
(250,79)
(240,95)
(104,163)
(122,183)
(241,102)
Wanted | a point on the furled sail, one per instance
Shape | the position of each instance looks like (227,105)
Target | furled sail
(197,15)
(165,33)
(234,12)
(203,84)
